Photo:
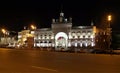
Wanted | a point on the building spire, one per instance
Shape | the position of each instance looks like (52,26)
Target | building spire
(61,13)
(61,8)
(92,23)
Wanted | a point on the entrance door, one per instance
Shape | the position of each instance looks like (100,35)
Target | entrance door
(61,40)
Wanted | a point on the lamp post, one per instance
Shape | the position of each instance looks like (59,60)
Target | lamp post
(109,30)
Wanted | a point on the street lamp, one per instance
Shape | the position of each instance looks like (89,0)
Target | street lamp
(4,31)
(33,27)
(109,17)
(109,30)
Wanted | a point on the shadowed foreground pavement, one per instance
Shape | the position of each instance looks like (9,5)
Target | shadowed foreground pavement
(36,61)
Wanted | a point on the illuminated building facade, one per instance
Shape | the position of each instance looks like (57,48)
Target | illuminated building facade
(7,39)
(62,36)
(23,38)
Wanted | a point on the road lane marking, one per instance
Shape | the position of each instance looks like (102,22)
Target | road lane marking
(44,68)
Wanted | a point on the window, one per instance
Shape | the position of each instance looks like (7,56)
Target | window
(89,36)
(83,36)
(73,37)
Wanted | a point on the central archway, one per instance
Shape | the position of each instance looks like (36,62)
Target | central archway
(61,40)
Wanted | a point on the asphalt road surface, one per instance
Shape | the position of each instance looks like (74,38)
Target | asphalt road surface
(36,61)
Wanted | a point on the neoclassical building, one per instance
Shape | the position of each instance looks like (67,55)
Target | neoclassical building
(62,36)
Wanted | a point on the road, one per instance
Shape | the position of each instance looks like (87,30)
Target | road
(36,61)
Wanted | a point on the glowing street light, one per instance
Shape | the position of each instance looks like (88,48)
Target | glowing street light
(109,17)
(33,27)
(4,31)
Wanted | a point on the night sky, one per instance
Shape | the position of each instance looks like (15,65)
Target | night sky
(14,15)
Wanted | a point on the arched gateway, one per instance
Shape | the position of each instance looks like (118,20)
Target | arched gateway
(61,40)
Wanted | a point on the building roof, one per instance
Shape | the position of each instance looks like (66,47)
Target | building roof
(44,29)
(82,27)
